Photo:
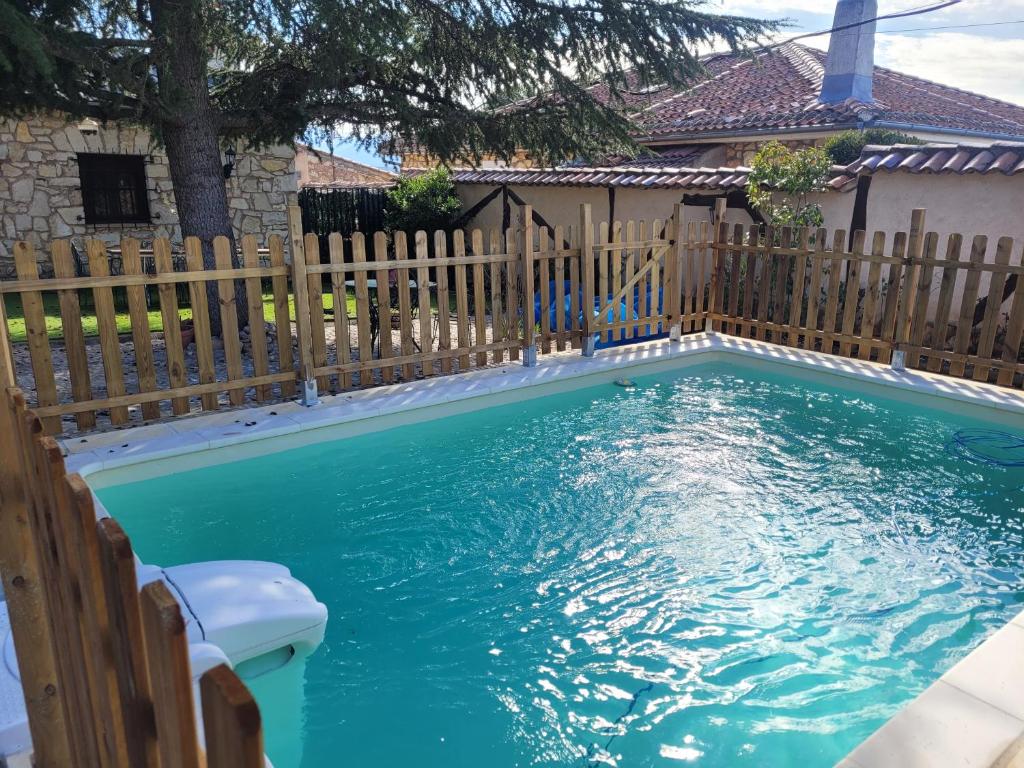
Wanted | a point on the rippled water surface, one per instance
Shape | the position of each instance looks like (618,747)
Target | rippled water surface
(719,567)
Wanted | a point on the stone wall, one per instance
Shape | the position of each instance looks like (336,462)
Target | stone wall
(41,197)
(742,152)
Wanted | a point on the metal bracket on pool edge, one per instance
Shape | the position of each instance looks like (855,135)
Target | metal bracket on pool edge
(310,396)
(589,346)
(899,360)
(530,356)
(675,333)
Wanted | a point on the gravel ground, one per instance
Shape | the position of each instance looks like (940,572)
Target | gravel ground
(26,381)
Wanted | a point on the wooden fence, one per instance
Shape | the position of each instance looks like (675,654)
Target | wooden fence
(105,667)
(386,308)
(905,295)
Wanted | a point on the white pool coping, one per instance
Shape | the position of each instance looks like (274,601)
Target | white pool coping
(972,717)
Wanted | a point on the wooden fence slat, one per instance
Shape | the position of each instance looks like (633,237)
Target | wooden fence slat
(138,314)
(497,314)
(527,269)
(992,308)
(603,284)
(73,672)
(739,281)
(384,344)
(36,333)
(965,322)
(257,320)
(512,291)
(645,256)
(1014,332)
(202,330)
(170,677)
(231,721)
(173,349)
(923,295)
(339,292)
(461,298)
(74,337)
(120,586)
(423,294)
(78,520)
(544,247)
(282,315)
(573,321)
(559,295)
(834,285)
(315,296)
(796,304)
(106,324)
(229,319)
(764,283)
(892,293)
(363,309)
(656,304)
(911,277)
(940,333)
(444,318)
(633,261)
(852,295)
(479,297)
(814,292)
(27,587)
(871,296)
(694,276)
(750,237)
(404,306)
(781,283)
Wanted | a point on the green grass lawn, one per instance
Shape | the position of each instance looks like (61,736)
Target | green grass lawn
(51,307)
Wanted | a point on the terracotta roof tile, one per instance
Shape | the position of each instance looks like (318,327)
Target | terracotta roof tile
(959,159)
(779,89)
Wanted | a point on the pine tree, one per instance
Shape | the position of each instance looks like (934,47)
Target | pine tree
(198,74)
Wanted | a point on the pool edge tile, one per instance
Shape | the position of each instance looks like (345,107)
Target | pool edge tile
(942,726)
(994,670)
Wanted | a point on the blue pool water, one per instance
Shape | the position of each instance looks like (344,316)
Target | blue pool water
(718,567)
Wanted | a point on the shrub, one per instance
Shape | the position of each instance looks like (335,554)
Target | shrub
(846,147)
(426,202)
(781,181)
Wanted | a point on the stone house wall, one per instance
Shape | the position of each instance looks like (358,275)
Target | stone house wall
(41,196)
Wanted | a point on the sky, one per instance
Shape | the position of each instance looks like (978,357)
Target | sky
(977,45)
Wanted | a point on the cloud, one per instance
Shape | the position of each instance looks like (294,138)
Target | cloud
(987,65)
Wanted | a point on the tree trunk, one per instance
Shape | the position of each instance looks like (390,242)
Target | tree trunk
(190,138)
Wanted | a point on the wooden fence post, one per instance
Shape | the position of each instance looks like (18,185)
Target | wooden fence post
(912,271)
(26,600)
(586,238)
(170,677)
(231,721)
(300,289)
(719,238)
(674,276)
(526,232)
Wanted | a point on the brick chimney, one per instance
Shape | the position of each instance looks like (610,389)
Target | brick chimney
(850,64)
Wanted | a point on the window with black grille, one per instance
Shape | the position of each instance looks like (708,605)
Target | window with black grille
(113,188)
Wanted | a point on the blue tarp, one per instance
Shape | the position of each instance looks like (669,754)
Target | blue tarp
(613,314)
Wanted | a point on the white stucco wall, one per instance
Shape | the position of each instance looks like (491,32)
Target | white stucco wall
(974,204)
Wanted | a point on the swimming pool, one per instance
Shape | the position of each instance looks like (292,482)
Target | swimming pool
(719,566)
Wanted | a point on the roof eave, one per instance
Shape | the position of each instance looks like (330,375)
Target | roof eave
(691,135)
(946,131)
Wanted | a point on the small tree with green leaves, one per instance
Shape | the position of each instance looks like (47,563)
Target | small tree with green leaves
(426,202)
(845,147)
(781,182)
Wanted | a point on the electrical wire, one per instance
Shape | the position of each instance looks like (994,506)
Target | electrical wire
(950,26)
(906,13)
